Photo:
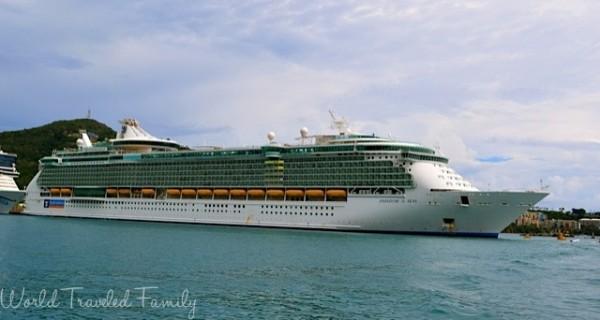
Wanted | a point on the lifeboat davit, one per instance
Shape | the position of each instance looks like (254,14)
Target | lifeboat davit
(188,193)
(256,194)
(204,193)
(275,194)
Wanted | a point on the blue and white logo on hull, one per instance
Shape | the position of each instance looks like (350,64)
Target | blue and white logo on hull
(54,204)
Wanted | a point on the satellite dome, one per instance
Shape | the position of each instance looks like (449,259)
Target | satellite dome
(271,136)
(304,132)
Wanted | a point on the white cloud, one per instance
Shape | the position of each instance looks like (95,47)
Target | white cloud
(479,78)
(553,140)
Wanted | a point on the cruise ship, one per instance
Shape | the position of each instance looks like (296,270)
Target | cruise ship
(10,194)
(343,181)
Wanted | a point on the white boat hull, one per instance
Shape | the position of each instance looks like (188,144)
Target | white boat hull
(9,198)
(418,212)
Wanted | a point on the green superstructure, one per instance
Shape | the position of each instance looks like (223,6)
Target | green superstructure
(136,163)
(299,166)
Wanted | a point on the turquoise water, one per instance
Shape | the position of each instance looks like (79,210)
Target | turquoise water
(239,273)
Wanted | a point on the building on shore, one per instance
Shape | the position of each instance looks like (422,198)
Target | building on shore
(531,218)
(539,221)
(589,224)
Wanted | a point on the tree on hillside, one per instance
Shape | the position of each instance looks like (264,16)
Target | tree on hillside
(32,144)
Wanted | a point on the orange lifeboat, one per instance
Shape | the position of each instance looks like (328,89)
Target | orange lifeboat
(173,193)
(336,195)
(315,194)
(256,194)
(238,193)
(124,193)
(188,193)
(111,192)
(148,193)
(205,193)
(55,192)
(294,194)
(221,193)
(275,194)
(66,192)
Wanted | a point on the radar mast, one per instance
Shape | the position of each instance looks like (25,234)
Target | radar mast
(341,125)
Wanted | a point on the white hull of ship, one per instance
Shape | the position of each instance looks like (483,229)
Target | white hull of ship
(9,198)
(414,212)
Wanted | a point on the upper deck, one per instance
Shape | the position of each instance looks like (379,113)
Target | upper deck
(370,145)
(343,160)
(7,163)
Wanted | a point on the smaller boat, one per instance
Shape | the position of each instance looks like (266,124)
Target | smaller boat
(55,192)
(275,194)
(10,195)
(124,193)
(66,192)
(294,194)
(148,193)
(238,193)
(221,193)
(111,192)
(315,195)
(256,194)
(574,240)
(205,193)
(188,193)
(173,193)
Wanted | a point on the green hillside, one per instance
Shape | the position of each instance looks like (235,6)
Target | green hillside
(30,145)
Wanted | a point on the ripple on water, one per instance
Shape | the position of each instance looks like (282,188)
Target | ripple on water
(284,274)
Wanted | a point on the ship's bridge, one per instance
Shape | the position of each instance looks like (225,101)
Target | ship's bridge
(7,163)
(429,168)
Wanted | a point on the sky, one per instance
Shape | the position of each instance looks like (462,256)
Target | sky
(508,90)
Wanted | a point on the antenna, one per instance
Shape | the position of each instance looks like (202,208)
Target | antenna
(89,114)
(438,148)
(542,186)
(340,124)
(332,115)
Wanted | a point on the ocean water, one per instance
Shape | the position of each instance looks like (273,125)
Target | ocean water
(98,269)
